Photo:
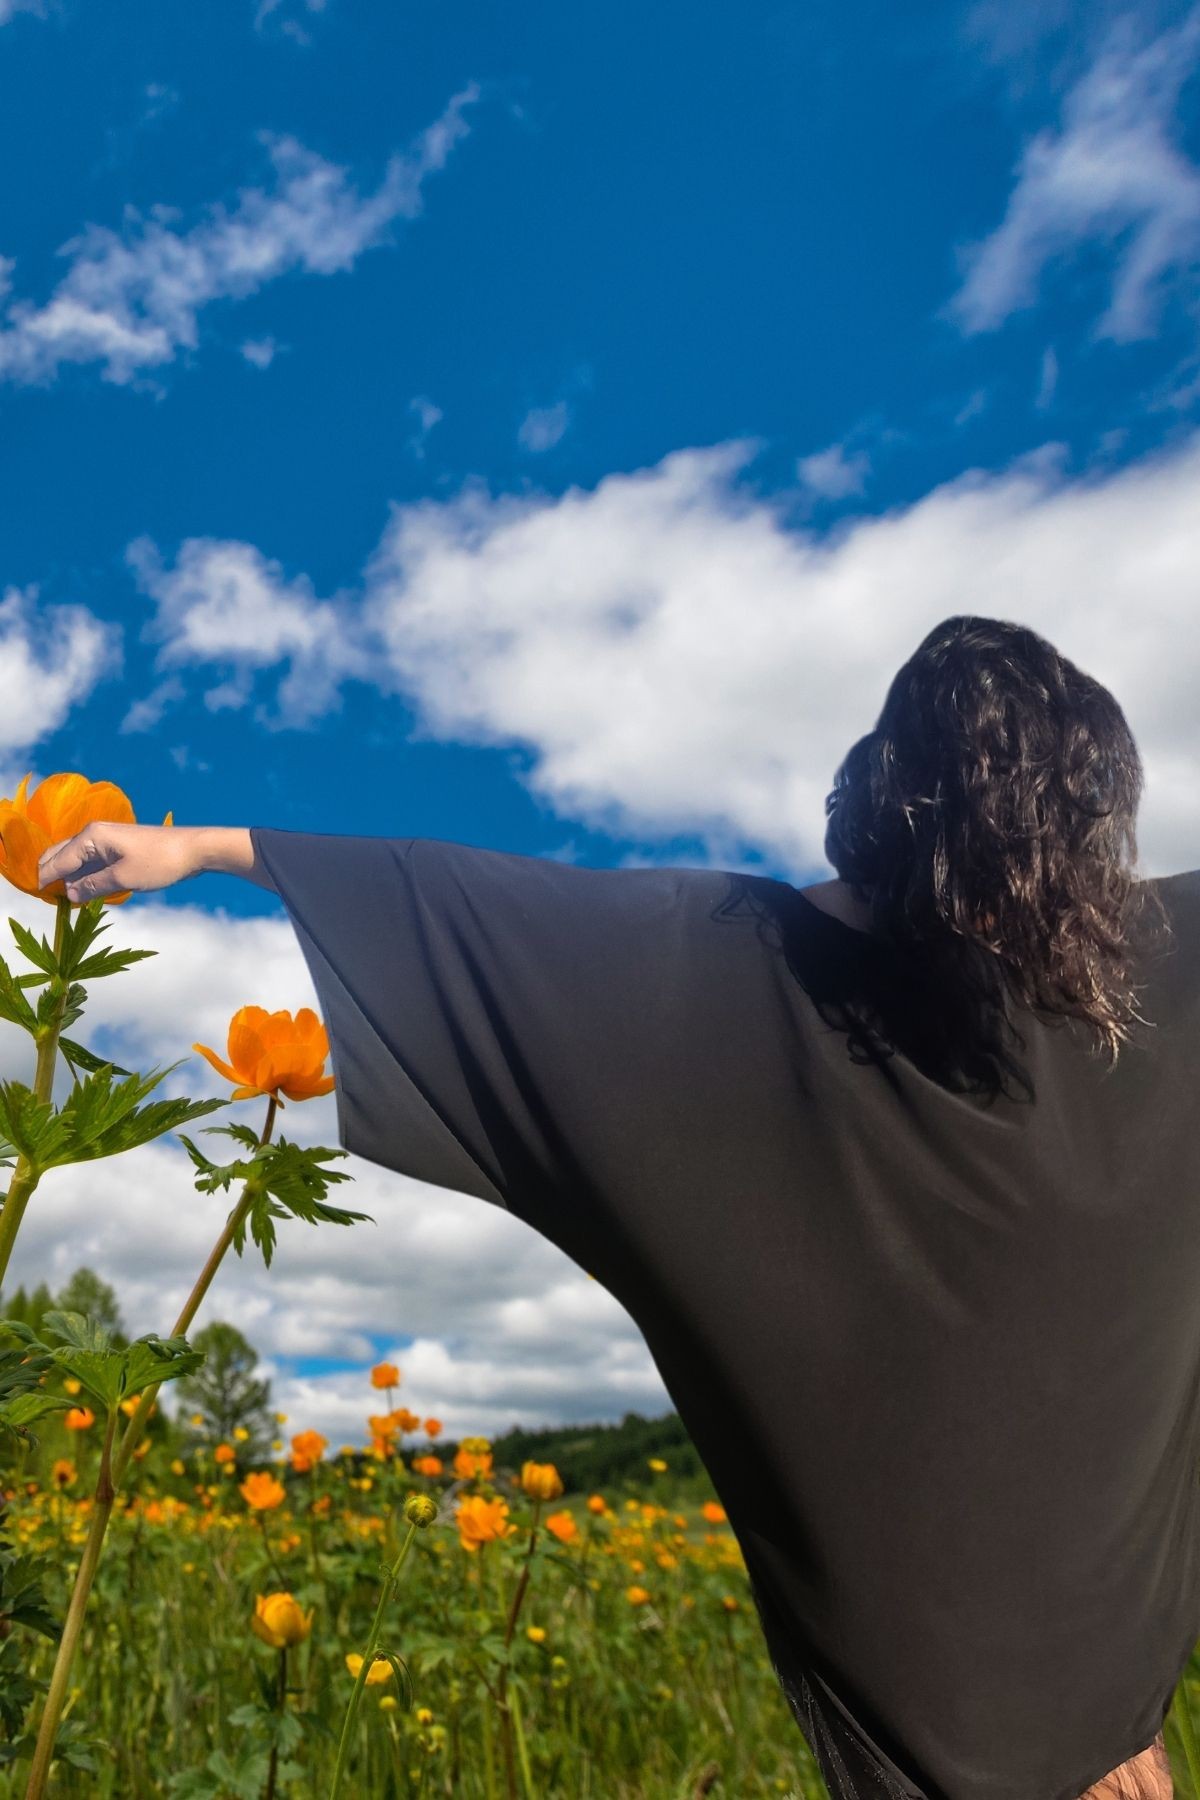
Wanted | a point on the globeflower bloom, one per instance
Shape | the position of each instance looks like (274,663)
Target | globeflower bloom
(308,1447)
(380,1670)
(427,1465)
(469,1462)
(63,1473)
(224,1453)
(596,1503)
(80,1418)
(262,1492)
(59,806)
(385,1375)
(279,1621)
(636,1596)
(274,1053)
(562,1526)
(432,1427)
(482,1521)
(713,1512)
(541,1481)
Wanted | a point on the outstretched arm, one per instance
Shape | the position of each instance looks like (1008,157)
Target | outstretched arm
(108,858)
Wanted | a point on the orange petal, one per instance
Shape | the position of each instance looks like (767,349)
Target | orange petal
(211,1056)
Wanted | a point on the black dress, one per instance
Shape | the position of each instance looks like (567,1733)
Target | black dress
(940,1354)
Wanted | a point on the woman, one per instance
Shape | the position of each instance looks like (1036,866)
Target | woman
(911,1239)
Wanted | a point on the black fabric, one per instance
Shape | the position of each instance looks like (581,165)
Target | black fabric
(940,1354)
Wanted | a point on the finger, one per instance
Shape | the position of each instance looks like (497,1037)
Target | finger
(67,858)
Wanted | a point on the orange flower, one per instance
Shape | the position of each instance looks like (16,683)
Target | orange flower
(472,1462)
(562,1526)
(432,1427)
(383,1425)
(427,1465)
(262,1491)
(636,1596)
(541,1481)
(714,1512)
(279,1621)
(224,1453)
(308,1447)
(60,806)
(79,1418)
(482,1521)
(380,1670)
(403,1420)
(729,1603)
(274,1052)
(596,1503)
(63,1473)
(385,1375)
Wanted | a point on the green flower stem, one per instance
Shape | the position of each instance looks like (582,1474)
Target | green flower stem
(112,1471)
(502,1699)
(280,1704)
(24,1177)
(360,1680)
(1181,1712)
(204,1280)
(43,1754)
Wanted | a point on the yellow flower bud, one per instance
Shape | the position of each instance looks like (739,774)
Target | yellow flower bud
(420,1510)
(279,1621)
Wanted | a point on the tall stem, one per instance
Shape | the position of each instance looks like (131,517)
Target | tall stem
(112,1470)
(192,1304)
(24,1180)
(280,1704)
(43,1755)
(360,1680)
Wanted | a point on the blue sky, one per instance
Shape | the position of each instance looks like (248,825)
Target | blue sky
(551,429)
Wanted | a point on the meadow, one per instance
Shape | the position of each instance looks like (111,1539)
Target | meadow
(599,1644)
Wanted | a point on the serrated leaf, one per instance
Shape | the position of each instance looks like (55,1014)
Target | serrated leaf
(99,1119)
(13,1004)
(38,951)
(87,1059)
(109,962)
(24,1119)
(86,1351)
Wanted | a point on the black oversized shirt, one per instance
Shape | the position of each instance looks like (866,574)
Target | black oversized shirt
(940,1355)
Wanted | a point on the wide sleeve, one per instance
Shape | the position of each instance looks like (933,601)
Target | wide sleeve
(498,1023)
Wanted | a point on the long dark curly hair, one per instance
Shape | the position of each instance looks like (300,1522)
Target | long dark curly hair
(989,820)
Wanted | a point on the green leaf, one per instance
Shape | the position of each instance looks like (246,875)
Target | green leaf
(109,962)
(109,1374)
(24,1119)
(13,1004)
(100,1119)
(87,1059)
(38,951)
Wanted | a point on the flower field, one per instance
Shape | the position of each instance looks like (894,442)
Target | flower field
(545,1644)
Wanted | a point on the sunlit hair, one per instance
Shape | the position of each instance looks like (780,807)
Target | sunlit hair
(990,821)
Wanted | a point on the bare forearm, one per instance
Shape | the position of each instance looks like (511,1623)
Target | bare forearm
(228,850)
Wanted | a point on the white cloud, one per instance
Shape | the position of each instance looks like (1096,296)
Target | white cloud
(675,656)
(10,8)
(131,299)
(1113,173)
(835,473)
(51,658)
(227,603)
(427,416)
(506,1327)
(543,426)
(261,352)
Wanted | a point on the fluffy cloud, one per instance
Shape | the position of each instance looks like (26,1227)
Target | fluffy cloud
(490,1323)
(677,656)
(835,473)
(131,299)
(227,603)
(1113,173)
(50,659)
(543,427)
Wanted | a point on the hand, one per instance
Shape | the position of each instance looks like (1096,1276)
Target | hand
(107,858)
